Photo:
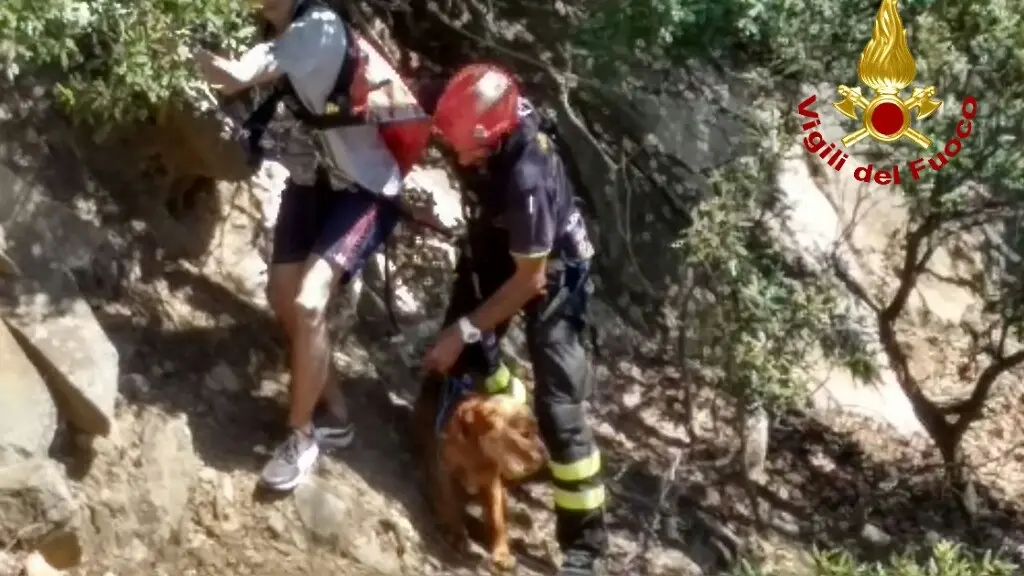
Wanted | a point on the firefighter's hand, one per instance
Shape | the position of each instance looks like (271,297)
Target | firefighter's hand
(445,351)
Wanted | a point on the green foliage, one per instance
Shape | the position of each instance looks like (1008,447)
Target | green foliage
(793,37)
(116,60)
(763,317)
(973,50)
(756,321)
(943,559)
(976,51)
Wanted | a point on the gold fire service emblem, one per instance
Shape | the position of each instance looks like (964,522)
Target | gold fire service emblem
(887,67)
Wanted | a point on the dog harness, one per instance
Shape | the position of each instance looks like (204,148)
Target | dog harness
(452,392)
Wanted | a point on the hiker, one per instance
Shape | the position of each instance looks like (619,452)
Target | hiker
(526,249)
(341,201)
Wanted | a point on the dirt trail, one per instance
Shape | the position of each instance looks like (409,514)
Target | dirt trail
(212,357)
(201,403)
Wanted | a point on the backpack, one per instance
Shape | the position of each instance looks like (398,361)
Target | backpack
(404,129)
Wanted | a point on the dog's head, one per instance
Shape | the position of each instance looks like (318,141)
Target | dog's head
(504,433)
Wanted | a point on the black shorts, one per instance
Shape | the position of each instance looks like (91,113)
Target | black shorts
(345,227)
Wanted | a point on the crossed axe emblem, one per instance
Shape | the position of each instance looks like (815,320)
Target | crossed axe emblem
(922,99)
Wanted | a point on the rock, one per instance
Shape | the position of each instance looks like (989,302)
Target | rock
(43,236)
(36,565)
(278,525)
(137,551)
(225,505)
(46,240)
(435,181)
(58,330)
(135,386)
(7,266)
(756,436)
(874,536)
(322,512)
(63,549)
(208,475)
(1014,547)
(222,377)
(37,510)
(106,446)
(9,563)
(169,467)
(342,523)
(671,562)
(227,490)
(28,415)
(368,549)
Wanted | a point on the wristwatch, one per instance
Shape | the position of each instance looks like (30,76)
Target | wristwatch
(470,333)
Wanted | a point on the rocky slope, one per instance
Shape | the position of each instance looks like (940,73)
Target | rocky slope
(144,393)
(143,385)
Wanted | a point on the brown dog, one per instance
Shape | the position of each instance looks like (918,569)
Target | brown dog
(484,442)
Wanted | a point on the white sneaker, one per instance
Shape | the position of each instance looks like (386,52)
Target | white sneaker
(291,463)
(332,430)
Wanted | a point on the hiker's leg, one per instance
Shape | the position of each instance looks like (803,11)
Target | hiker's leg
(358,225)
(299,219)
(282,288)
(294,236)
(298,222)
(310,352)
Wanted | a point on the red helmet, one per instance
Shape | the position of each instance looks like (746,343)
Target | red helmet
(477,108)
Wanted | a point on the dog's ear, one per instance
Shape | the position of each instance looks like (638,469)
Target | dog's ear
(513,442)
(456,437)
(479,417)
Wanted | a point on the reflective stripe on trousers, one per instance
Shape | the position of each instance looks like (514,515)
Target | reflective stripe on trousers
(577,484)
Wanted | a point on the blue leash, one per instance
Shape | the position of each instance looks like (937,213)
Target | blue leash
(451,393)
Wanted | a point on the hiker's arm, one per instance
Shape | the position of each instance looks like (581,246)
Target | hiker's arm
(255,67)
(297,52)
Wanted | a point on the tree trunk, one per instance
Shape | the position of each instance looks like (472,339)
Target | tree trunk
(949,440)
(754,435)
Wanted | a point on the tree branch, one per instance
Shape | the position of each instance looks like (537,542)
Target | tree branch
(921,247)
(914,262)
(842,273)
(969,409)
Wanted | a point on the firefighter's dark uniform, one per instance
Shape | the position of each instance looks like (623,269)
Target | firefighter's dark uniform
(523,204)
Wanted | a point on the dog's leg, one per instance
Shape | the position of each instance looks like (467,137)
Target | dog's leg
(449,505)
(423,416)
(494,511)
(442,491)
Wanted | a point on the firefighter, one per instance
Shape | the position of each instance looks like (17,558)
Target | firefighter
(526,250)
(340,204)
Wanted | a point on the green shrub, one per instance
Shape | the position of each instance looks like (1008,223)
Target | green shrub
(111,61)
(943,559)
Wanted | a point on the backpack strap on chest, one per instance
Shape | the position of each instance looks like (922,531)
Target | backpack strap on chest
(338,108)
